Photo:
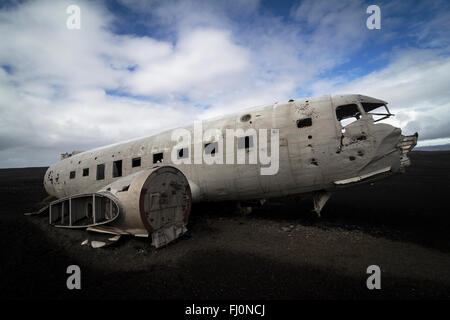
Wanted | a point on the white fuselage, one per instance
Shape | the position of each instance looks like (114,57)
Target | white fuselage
(311,157)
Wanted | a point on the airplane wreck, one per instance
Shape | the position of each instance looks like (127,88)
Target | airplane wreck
(146,187)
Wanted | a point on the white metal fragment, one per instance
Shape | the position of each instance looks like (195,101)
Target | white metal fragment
(362,177)
(115,238)
(97,244)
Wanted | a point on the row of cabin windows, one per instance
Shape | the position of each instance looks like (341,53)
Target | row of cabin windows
(210,148)
(117,169)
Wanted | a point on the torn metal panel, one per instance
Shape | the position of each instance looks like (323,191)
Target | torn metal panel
(362,177)
(114,231)
(163,236)
(41,210)
(67,154)
(406,144)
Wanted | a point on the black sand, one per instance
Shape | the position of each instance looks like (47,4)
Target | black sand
(280,251)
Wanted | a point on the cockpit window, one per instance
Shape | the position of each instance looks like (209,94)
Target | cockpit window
(378,110)
(369,106)
(347,114)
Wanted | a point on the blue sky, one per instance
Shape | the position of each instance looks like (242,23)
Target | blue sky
(138,67)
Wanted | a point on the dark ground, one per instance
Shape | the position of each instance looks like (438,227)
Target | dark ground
(280,251)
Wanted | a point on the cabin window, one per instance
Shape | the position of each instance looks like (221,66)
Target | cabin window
(136,162)
(347,114)
(85,172)
(211,148)
(72,174)
(183,153)
(301,123)
(158,157)
(245,142)
(101,171)
(117,168)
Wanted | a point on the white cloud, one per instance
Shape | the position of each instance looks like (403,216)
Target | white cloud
(53,95)
(202,61)
(203,58)
(417,86)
